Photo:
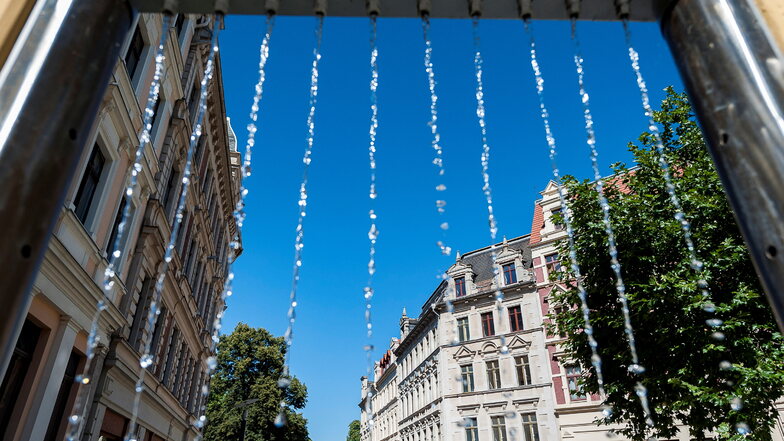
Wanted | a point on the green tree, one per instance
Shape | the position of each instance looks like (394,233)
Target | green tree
(687,374)
(353,431)
(250,364)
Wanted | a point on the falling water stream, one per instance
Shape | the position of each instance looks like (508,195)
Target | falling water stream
(596,359)
(438,161)
(284,381)
(694,262)
(146,360)
(485,159)
(488,192)
(76,420)
(635,367)
(373,231)
(239,217)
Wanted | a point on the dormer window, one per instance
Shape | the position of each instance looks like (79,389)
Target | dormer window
(460,288)
(510,274)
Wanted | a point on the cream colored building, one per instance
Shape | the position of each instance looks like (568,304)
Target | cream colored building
(38,390)
(479,371)
(474,388)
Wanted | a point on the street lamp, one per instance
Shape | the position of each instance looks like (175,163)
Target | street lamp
(244,406)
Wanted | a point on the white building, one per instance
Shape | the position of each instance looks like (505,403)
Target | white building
(484,372)
(478,372)
(38,390)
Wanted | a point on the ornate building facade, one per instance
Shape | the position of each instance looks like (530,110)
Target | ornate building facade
(38,391)
(489,371)
(477,372)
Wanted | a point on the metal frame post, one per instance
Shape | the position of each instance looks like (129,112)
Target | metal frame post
(51,87)
(734,74)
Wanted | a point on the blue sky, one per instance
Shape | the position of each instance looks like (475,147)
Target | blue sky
(329,334)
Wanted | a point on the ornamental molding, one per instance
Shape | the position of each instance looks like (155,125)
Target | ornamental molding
(529,403)
(508,255)
(517,342)
(464,353)
(460,268)
(489,348)
(495,406)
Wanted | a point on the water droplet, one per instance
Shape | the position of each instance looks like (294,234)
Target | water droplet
(280,420)
(284,382)
(743,429)
(636,369)
(212,363)
(607,411)
(725,365)
(736,403)
(145,361)
(714,322)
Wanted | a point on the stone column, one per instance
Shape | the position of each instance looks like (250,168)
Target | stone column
(55,362)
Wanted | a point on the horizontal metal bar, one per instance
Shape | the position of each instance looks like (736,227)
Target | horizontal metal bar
(639,10)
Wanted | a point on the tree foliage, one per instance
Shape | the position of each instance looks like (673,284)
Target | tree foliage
(353,431)
(250,364)
(687,375)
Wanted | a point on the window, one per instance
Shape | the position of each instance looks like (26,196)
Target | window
(156,119)
(193,101)
(178,24)
(134,55)
(89,184)
(510,274)
(21,363)
(113,427)
(471,429)
(493,375)
(573,375)
(463,333)
(499,428)
(460,288)
(523,369)
(155,109)
(552,263)
(530,428)
(116,228)
(467,375)
(156,333)
(488,328)
(168,198)
(557,223)
(515,319)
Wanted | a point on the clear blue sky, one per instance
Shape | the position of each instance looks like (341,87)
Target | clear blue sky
(329,335)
